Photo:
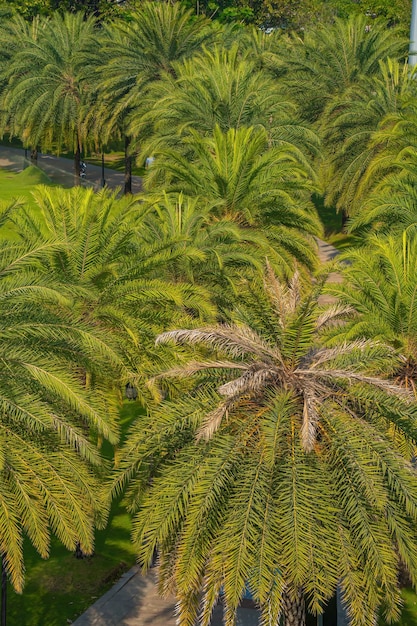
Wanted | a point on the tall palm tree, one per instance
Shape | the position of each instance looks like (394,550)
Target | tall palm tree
(133,55)
(328,60)
(391,207)
(44,96)
(388,181)
(15,32)
(224,88)
(242,179)
(272,466)
(118,279)
(50,467)
(380,282)
(206,250)
(348,126)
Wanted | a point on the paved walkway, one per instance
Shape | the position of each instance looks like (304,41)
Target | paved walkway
(61,170)
(134,601)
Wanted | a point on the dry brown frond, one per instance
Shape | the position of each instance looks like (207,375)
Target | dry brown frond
(238,341)
(212,422)
(251,382)
(197,366)
(328,354)
(295,291)
(333,315)
(285,298)
(310,420)
(385,385)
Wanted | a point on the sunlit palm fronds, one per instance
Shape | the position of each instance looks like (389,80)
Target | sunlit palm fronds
(50,466)
(239,477)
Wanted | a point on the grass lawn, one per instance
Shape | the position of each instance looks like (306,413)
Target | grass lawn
(60,589)
(20,185)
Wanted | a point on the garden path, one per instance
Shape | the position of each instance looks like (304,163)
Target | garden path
(134,601)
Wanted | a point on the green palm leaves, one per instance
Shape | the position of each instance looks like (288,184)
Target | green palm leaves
(49,465)
(380,285)
(249,466)
(239,178)
(117,276)
(330,60)
(352,130)
(223,88)
(44,97)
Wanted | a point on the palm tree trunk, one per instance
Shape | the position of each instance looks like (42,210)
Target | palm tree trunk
(293,608)
(128,167)
(3,592)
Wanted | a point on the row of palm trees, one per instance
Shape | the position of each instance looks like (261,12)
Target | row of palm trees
(333,97)
(276,449)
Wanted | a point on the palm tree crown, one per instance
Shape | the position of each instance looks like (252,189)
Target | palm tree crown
(380,285)
(249,463)
(223,88)
(44,97)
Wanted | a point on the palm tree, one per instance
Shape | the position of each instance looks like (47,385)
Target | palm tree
(50,467)
(331,59)
(132,56)
(240,477)
(387,186)
(391,207)
(224,88)
(212,252)
(241,179)
(15,32)
(44,96)
(118,279)
(348,126)
(380,280)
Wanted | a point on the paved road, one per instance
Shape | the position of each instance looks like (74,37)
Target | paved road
(61,170)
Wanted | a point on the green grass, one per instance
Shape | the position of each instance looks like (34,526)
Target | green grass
(21,185)
(63,587)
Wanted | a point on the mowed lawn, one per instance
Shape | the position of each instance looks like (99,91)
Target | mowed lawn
(21,185)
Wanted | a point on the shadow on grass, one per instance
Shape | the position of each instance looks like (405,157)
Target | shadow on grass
(333,226)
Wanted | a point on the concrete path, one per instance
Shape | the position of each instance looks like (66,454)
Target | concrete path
(61,170)
(134,601)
